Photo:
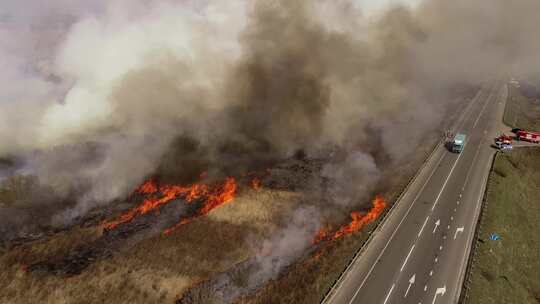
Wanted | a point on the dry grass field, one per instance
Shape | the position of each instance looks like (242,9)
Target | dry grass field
(158,268)
(506,270)
(154,270)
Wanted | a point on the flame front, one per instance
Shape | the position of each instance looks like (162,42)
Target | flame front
(149,187)
(359,220)
(256,183)
(224,195)
(213,196)
(221,196)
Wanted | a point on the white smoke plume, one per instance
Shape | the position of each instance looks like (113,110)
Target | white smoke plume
(286,245)
(98,93)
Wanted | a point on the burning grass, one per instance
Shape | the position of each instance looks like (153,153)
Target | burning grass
(159,268)
(308,280)
(506,270)
(212,195)
(154,270)
(358,221)
(138,267)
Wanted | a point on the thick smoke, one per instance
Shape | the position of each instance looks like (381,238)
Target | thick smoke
(102,95)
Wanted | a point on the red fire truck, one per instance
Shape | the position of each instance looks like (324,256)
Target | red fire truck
(503,142)
(504,139)
(528,136)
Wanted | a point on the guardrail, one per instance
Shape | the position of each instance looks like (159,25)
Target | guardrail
(472,256)
(362,248)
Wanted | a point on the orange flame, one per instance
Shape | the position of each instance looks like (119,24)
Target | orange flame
(322,234)
(149,187)
(221,196)
(256,183)
(224,195)
(359,220)
(169,193)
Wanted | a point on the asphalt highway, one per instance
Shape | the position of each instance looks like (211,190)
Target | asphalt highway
(420,252)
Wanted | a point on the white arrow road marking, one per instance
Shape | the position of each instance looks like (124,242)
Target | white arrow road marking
(411,281)
(440,291)
(395,230)
(406,259)
(389,293)
(437,223)
(458,230)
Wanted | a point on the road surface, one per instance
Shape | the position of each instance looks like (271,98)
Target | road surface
(420,253)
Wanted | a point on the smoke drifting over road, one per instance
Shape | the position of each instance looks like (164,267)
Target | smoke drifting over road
(114,87)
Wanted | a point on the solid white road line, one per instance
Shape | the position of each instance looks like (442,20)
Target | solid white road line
(446,181)
(389,293)
(472,164)
(395,231)
(483,108)
(423,225)
(465,116)
(470,235)
(407,258)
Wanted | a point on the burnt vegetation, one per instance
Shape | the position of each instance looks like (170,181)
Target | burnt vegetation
(254,129)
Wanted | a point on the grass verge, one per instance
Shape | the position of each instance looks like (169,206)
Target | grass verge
(521,111)
(308,280)
(507,270)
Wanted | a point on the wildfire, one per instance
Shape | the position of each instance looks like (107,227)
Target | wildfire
(149,187)
(212,195)
(256,183)
(322,234)
(221,196)
(359,220)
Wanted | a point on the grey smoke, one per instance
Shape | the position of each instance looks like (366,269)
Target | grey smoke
(286,246)
(112,88)
(357,171)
